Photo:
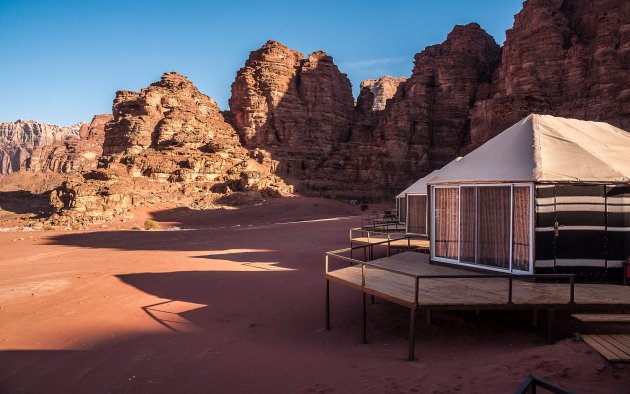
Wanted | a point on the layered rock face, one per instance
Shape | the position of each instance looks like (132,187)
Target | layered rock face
(72,155)
(383,89)
(427,123)
(297,108)
(167,143)
(18,139)
(565,58)
(371,149)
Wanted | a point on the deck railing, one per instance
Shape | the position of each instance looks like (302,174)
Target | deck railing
(382,222)
(510,277)
(414,305)
(532,383)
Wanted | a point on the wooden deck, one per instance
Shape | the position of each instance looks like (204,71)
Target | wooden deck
(410,280)
(614,347)
(469,293)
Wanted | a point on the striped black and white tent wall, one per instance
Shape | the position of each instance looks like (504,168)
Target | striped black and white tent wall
(548,194)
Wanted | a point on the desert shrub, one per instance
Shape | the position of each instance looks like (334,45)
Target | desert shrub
(150,224)
(48,227)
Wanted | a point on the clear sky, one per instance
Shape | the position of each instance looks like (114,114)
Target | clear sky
(63,61)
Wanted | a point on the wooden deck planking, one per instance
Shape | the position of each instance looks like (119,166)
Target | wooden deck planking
(469,292)
(614,347)
(602,318)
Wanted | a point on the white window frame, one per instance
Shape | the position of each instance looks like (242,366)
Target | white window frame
(426,218)
(510,269)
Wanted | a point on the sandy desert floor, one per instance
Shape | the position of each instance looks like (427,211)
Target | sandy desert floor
(234,302)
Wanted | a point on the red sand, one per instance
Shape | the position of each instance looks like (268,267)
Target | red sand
(239,309)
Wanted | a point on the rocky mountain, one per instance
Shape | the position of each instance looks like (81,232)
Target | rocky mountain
(168,143)
(297,108)
(383,89)
(293,119)
(18,139)
(372,153)
(72,155)
(565,58)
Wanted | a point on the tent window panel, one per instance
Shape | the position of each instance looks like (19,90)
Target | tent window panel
(417,223)
(494,226)
(446,222)
(521,231)
(468,224)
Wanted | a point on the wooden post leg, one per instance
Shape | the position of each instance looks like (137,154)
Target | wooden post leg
(364,318)
(327,305)
(412,335)
(551,331)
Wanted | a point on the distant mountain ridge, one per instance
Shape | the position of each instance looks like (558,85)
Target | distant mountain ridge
(19,138)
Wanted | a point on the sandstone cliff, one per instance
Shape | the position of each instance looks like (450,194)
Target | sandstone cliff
(383,89)
(565,58)
(168,143)
(18,139)
(371,150)
(72,155)
(294,117)
(296,108)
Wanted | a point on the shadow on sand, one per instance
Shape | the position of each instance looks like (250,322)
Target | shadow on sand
(25,202)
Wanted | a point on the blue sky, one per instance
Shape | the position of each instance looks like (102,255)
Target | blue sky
(63,61)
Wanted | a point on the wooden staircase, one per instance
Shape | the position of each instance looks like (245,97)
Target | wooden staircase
(614,347)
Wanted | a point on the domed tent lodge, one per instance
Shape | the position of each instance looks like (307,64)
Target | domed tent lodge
(547,195)
(414,197)
(539,208)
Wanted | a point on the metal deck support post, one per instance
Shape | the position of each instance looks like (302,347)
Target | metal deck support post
(372,299)
(428,317)
(535,318)
(412,334)
(364,319)
(327,305)
(551,329)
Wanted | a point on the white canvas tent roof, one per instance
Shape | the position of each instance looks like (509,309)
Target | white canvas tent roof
(419,186)
(544,148)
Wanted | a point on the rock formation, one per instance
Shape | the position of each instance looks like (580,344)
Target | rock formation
(72,155)
(18,139)
(370,152)
(296,108)
(383,89)
(167,143)
(565,58)
(294,117)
